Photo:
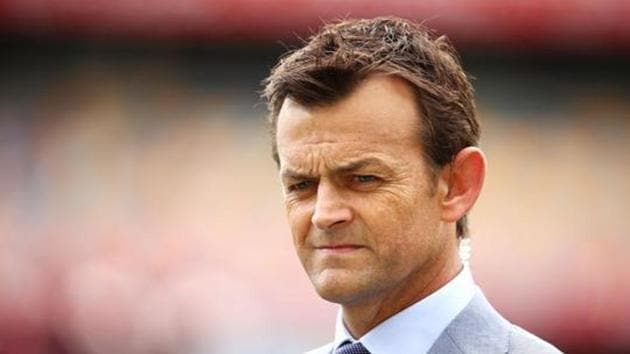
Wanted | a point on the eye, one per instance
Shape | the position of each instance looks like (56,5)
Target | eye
(365,178)
(299,186)
(365,183)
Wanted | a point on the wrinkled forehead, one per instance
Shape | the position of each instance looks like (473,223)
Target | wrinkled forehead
(379,116)
(334,157)
(311,146)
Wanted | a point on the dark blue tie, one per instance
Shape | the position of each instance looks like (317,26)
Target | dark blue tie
(352,348)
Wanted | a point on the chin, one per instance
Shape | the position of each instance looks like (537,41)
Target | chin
(337,296)
(337,289)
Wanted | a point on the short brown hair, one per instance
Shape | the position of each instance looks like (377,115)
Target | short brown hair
(332,62)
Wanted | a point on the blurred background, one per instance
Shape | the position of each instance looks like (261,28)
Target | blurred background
(140,211)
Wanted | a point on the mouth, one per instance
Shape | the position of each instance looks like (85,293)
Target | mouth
(339,249)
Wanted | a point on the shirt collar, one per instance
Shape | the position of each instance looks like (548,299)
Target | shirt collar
(416,328)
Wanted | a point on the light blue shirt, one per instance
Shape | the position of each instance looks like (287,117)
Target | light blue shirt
(416,328)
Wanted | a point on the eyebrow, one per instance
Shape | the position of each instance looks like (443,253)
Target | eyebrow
(343,168)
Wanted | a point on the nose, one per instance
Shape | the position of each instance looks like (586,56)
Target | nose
(331,210)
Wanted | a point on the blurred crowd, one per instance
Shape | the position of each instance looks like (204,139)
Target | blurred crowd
(140,211)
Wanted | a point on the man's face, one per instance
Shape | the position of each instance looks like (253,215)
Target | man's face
(362,207)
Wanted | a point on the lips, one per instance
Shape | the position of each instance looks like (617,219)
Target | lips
(339,249)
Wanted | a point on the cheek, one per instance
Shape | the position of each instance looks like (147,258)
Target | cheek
(401,219)
(392,208)
(299,218)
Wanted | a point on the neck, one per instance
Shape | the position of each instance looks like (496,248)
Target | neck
(361,317)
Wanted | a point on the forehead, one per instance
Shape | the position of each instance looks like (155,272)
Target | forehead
(379,117)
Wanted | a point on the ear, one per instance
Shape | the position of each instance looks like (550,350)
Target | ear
(464,178)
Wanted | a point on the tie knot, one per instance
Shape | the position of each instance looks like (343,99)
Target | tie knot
(352,348)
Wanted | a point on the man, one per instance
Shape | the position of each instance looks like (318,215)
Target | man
(375,135)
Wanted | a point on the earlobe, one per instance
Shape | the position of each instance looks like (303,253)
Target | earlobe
(464,178)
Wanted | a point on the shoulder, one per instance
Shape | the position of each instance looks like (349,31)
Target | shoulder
(324,349)
(522,341)
(479,328)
